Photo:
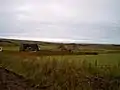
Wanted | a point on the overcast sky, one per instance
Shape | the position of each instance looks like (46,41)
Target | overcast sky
(90,21)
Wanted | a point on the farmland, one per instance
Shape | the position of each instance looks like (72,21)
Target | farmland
(76,71)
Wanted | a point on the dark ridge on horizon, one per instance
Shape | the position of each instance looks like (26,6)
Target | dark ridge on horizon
(50,42)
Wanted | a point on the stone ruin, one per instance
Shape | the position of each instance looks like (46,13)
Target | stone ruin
(29,47)
(70,48)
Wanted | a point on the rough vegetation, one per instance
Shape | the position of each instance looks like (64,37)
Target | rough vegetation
(66,72)
(49,69)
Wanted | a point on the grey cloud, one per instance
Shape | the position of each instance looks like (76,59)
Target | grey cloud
(92,20)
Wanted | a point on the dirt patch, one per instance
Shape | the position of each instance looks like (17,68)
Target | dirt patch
(11,81)
(104,83)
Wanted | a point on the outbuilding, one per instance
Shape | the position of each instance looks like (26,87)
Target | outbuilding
(29,47)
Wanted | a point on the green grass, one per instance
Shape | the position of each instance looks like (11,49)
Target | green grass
(66,72)
(9,48)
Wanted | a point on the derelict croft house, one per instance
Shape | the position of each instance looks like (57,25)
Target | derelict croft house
(70,48)
(29,47)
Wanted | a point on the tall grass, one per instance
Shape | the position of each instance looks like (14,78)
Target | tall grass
(63,73)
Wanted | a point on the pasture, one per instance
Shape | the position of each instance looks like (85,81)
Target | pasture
(76,71)
(65,71)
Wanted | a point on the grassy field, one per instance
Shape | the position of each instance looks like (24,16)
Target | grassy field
(63,70)
(78,72)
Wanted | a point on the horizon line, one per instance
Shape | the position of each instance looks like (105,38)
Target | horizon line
(57,40)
